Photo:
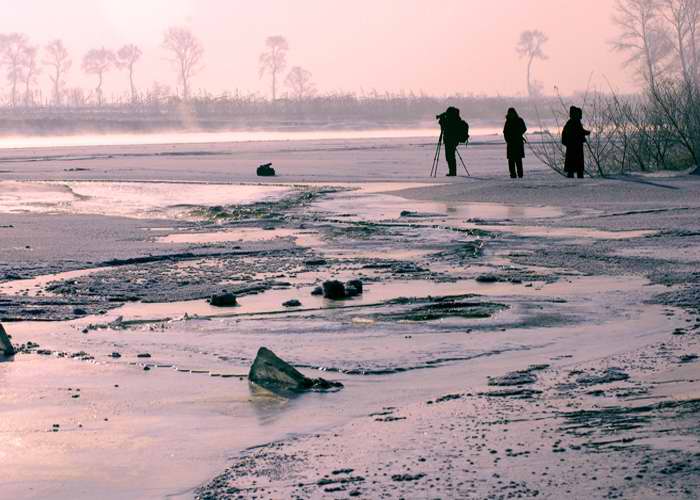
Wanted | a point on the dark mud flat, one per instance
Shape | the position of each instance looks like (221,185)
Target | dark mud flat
(120,260)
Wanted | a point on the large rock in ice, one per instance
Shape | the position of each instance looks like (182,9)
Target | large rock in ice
(277,375)
(5,344)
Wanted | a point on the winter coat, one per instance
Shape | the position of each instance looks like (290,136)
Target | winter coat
(513,131)
(574,137)
(451,124)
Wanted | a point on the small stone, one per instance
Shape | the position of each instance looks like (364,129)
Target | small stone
(143,355)
(353,288)
(292,303)
(115,355)
(317,291)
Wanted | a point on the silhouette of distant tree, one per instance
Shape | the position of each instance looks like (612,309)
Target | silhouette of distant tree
(31,70)
(299,82)
(59,61)
(683,18)
(98,62)
(530,46)
(274,59)
(642,36)
(14,48)
(127,57)
(186,53)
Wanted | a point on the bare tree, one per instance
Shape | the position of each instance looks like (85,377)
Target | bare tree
(58,59)
(127,57)
(187,55)
(683,17)
(693,22)
(98,62)
(31,70)
(75,97)
(299,82)
(274,59)
(642,36)
(158,94)
(677,108)
(530,46)
(14,47)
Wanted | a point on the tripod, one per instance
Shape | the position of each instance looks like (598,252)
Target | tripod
(436,158)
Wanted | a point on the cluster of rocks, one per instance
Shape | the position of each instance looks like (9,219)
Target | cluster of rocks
(337,290)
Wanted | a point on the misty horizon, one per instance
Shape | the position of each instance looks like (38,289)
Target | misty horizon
(350,51)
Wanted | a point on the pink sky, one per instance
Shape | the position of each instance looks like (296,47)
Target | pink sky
(446,47)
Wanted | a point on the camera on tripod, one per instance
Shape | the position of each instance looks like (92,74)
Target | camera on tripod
(442,119)
(453,131)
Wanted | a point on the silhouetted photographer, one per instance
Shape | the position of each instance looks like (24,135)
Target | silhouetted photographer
(453,131)
(574,137)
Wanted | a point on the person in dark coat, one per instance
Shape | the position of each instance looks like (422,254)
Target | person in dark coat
(574,137)
(514,131)
(450,125)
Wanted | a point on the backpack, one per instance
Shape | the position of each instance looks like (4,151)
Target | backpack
(565,135)
(462,131)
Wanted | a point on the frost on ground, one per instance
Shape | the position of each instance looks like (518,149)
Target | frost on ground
(528,339)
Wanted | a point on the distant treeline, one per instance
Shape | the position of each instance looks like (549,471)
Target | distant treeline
(229,112)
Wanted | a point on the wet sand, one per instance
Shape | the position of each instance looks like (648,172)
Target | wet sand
(515,339)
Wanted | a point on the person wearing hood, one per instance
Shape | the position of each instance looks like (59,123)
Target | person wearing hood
(574,137)
(514,134)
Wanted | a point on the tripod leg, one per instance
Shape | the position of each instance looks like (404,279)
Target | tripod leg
(463,164)
(436,158)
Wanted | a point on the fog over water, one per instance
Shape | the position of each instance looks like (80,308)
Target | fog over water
(29,141)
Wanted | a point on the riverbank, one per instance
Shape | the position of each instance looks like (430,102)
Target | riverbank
(514,337)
